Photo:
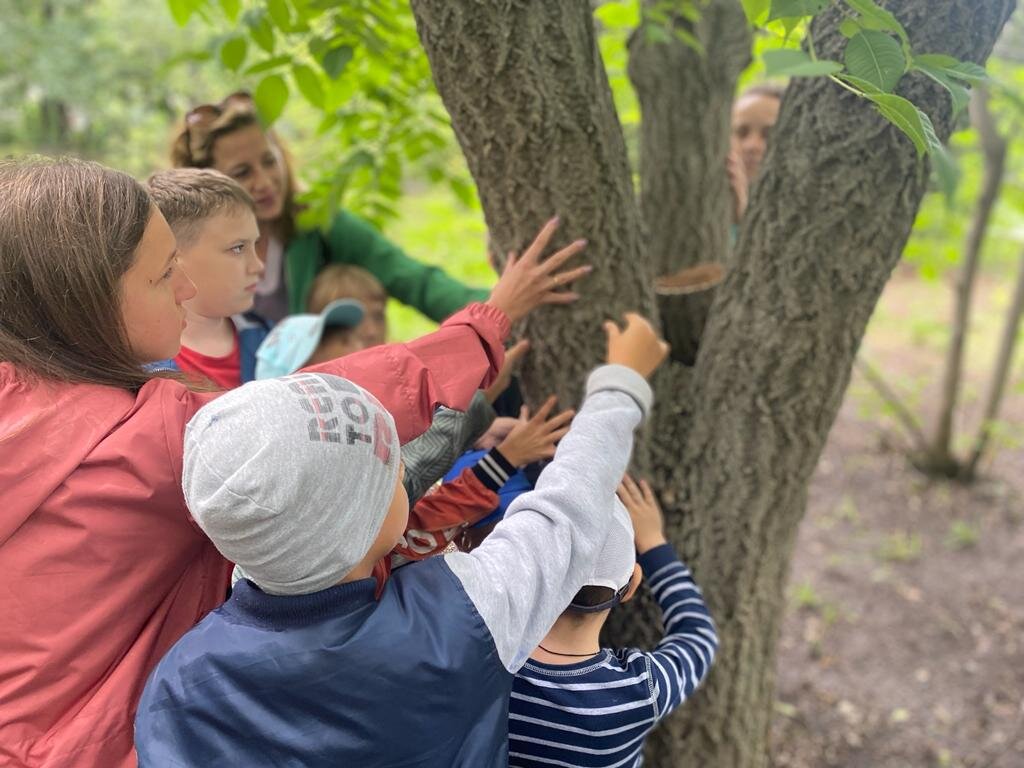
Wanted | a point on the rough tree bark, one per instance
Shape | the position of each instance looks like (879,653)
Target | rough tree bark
(531,107)
(733,452)
(685,98)
(683,148)
(939,458)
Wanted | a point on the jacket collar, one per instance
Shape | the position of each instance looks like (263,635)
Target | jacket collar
(250,603)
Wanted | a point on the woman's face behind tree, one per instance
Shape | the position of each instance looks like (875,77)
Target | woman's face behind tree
(250,158)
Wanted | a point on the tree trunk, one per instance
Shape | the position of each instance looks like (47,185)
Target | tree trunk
(733,452)
(827,224)
(685,97)
(1000,376)
(531,107)
(940,459)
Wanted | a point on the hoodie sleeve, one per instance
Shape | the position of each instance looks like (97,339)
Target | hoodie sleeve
(432,454)
(533,563)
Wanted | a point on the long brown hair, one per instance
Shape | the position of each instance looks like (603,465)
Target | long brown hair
(69,230)
(192,147)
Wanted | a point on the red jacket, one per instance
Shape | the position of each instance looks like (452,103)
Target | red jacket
(102,567)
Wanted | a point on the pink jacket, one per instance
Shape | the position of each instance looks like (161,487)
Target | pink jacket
(101,567)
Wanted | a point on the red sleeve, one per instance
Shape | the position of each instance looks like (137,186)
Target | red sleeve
(437,517)
(445,367)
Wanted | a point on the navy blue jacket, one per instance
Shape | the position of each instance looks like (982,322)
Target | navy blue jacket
(227,693)
(421,677)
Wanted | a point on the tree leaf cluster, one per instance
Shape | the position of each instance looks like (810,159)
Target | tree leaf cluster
(359,66)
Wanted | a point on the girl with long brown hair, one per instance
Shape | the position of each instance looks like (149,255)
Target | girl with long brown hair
(228,137)
(103,569)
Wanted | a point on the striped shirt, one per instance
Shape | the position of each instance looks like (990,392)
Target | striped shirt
(596,713)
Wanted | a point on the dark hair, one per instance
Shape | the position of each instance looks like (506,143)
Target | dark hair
(188,196)
(193,146)
(69,231)
(590,596)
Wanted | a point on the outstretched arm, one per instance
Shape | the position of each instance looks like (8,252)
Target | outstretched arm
(526,572)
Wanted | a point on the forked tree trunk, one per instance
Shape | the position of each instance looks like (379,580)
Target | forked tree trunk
(734,451)
(685,94)
(939,458)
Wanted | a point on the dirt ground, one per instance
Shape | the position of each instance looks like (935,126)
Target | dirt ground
(904,640)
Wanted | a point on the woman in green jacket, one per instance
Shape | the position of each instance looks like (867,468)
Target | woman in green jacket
(229,138)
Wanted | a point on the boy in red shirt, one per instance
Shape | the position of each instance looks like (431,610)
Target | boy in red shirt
(214,222)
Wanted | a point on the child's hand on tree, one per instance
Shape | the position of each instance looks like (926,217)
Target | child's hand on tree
(638,346)
(648,522)
(527,283)
(534,438)
(513,359)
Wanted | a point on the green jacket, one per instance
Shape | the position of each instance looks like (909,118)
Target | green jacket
(351,240)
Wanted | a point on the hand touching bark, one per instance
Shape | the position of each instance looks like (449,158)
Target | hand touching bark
(648,522)
(527,283)
(638,346)
(534,438)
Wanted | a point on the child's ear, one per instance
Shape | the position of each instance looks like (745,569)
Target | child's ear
(634,583)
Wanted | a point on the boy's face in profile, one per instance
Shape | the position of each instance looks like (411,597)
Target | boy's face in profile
(222,262)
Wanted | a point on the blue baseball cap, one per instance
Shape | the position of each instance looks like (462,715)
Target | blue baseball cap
(516,486)
(294,340)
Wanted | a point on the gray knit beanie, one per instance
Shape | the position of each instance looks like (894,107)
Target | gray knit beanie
(291,478)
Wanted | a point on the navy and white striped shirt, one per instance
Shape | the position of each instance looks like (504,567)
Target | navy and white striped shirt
(596,713)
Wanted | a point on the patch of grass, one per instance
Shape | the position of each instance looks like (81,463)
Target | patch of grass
(900,547)
(962,535)
(803,596)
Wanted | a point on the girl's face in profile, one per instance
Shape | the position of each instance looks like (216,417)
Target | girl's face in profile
(152,292)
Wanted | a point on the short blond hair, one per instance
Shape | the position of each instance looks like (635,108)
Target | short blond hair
(189,196)
(343,281)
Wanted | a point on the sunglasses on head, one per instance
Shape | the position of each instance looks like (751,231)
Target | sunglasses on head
(207,113)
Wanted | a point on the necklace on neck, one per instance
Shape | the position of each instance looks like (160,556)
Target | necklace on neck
(573,655)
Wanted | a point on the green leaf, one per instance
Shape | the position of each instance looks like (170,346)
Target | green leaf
(876,57)
(231,8)
(971,72)
(788,62)
(905,116)
(182,10)
(849,28)
(308,84)
(757,11)
(261,30)
(960,70)
(863,86)
(271,95)
(282,17)
(958,93)
(335,60)
(878,18)
(796,9)
(947,173)
(267,65)
(232,52)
